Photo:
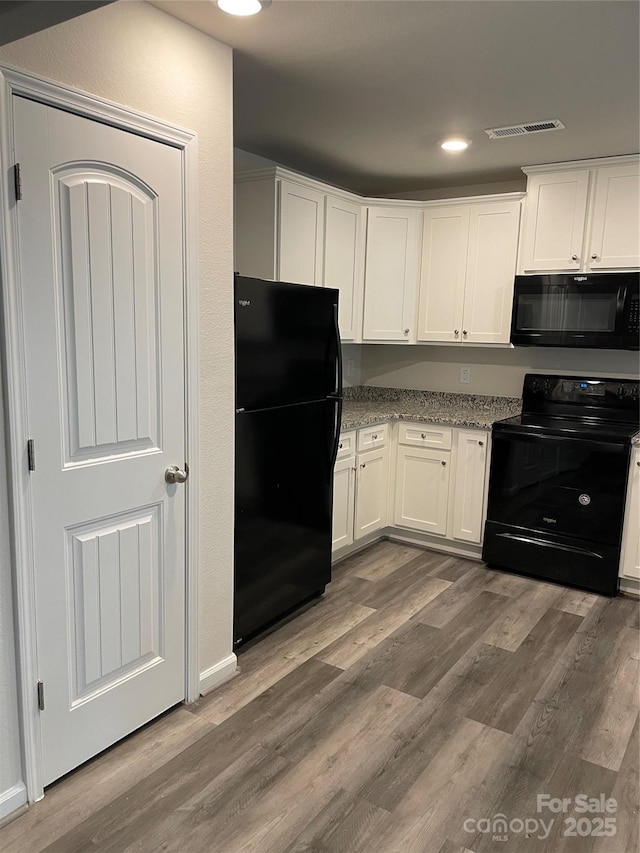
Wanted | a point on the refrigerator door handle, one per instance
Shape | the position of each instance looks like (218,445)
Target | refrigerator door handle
(336,331)
(336,437)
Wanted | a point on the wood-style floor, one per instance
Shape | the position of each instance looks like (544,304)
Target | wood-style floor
(421,697)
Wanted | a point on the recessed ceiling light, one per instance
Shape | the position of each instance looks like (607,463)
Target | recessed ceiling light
(456,144)
(243,8)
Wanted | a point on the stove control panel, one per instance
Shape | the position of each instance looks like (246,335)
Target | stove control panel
(581,396)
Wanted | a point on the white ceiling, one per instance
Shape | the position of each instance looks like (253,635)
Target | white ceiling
(358,92)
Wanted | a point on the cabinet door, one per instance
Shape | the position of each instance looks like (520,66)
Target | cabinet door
(301,234)
(391,274)
(372,486)
(491,267)
(343,259)
(469,482)
(615,232)
(630,561)
(555,220)
(442,278)
(343,503)
(422,489)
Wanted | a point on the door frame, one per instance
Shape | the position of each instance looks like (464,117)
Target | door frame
(13,82)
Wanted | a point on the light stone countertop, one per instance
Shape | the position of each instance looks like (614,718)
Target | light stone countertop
(364,406)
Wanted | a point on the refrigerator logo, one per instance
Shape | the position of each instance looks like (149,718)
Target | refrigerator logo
(244,302)
(549,520)
(579,278)
(585,500)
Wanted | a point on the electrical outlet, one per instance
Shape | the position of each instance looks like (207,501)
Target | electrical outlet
(465,375)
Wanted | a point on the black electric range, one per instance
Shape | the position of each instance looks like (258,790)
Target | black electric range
(558,479)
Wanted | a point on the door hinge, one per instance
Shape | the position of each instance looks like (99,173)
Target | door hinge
(17,179)
(31,454)
(41,695)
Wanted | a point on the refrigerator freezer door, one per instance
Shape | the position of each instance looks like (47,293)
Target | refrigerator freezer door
(287,344)
(284,482)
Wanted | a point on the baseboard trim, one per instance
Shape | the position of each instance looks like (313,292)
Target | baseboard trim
(215,675)
(630,586)
(12,799)
(468,552)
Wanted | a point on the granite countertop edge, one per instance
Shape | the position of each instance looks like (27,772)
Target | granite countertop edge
(457,410)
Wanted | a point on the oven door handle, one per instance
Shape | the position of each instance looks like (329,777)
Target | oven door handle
(530,540)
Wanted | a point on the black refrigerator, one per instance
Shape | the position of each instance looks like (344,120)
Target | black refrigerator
(288,412)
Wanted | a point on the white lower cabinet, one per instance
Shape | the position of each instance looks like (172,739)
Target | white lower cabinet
(422,489)
(469,486)
(372,487)
(343,502)
(630,559)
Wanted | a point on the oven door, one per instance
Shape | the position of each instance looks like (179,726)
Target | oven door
(570,311)
(563,486)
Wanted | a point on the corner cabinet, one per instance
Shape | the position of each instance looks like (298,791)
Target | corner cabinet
(630,558)
(290,228)
(391,273)
(582,216)
(469,253)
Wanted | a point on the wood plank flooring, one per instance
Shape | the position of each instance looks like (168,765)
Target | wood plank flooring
(423,697)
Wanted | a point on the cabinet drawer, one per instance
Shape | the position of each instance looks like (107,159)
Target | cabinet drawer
(370,437)
(346,445)
(425,435)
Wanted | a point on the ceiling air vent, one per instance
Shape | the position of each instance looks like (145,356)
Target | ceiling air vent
(521,129)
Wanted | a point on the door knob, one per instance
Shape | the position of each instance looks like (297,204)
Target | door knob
(173,474)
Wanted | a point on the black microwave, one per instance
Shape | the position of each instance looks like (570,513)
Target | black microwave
(601,311)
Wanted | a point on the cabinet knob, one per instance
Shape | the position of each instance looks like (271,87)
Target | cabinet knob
(374,437)
(424,435)
(406,331)
(443,463)
(456,332)
(594,257)
(363,464)
(340,446)
(481,444)
(464,333)
(638,464)
(574,257)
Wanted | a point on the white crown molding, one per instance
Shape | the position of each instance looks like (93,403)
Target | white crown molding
(583,164)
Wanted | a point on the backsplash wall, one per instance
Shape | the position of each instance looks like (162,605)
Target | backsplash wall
(492,371)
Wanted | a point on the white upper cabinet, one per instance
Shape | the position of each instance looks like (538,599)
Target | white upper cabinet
(469,256)
(343,238)
(615,229)
(391,273)
(300,234)
(584,218)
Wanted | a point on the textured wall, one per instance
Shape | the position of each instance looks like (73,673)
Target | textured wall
(136,55)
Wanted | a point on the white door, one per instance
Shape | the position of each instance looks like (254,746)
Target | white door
(391,274)
(343,259)
(372,487)
(422,489)
(555,218)
(615,234)
(491,267)
(468,489)
(443,275)
(301,234)
(343,504)
(100,233)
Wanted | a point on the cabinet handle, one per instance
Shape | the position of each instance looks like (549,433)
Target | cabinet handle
(638,464)
(340,446)
(443,463)
(481,444)
(574,257)
(424,435)
(594,257)
(406,332)
(363,464)
(464,333)
(456,332)
(374,438)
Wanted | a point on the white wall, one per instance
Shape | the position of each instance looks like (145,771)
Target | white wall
(136,55)
(493,371)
